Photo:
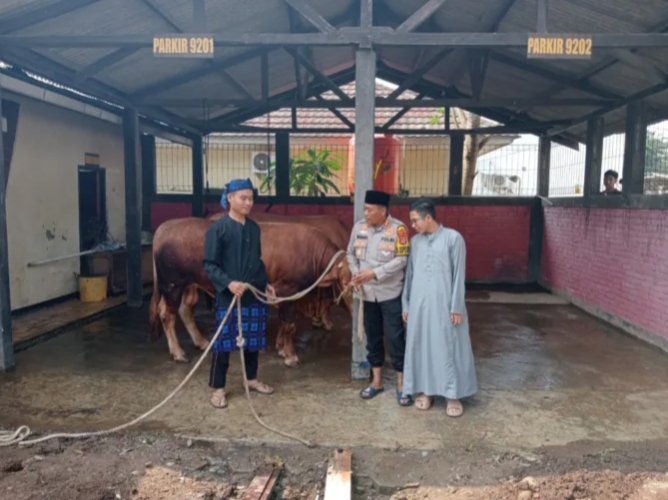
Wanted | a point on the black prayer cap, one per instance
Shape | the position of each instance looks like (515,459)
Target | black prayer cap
(377,198)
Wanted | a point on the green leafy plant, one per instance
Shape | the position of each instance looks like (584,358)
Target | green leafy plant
(311,173)
(656,155)
(269,179)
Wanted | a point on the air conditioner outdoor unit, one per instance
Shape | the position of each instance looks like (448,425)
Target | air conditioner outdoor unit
(501,184)
(261,161)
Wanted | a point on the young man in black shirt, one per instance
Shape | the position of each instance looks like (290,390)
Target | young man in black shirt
(232,257)
(610,183)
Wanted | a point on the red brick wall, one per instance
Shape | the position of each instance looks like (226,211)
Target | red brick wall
(497,238)
(614,260)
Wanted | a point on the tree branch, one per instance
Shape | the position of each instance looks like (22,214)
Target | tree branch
(483,142)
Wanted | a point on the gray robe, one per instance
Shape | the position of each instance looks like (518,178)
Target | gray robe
(439,359)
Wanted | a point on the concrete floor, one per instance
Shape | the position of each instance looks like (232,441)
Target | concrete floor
(548,375)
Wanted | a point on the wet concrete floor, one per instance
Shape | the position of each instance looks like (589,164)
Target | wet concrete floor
(548,375)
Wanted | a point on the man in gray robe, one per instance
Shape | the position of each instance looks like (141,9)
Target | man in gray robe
(439,358)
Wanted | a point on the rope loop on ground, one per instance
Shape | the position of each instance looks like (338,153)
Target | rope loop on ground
(20,435)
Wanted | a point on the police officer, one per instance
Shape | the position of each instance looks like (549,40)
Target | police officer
(378,255)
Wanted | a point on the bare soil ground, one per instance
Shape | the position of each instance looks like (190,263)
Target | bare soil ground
(151,466)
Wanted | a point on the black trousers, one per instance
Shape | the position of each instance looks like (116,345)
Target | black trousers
(220,363)
(384,319)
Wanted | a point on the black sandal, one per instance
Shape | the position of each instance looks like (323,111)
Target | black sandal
(371,392)
(404,400)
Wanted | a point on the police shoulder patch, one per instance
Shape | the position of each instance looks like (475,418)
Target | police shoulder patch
(403,243)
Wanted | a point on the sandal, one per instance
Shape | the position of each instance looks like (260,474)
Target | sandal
(454,409)
(261,388)
(404,400)
(371,392)
(423,402)
(219,400)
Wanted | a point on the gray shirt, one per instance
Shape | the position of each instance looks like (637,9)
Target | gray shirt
(384,249)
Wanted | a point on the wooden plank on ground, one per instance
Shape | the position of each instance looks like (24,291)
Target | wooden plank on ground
(339,475)
(262,485)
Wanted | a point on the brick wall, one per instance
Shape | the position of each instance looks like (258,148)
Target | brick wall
(613,261)
(497,238)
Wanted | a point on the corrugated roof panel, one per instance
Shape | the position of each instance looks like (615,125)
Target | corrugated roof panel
(139,72)
(567,17)
(462,15)
(623,80)
(142,70)
(12,7)
(406,59)
(331,60)
(659,101)
(504,82)
(643,14)
(452,16)
(232,16)
(329,9)
(117,17)
(75,58)
(214,86)
(659,56)
(249,16)
(569,93)
(181,11)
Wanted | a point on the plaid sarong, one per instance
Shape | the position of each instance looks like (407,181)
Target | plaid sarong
(253,324)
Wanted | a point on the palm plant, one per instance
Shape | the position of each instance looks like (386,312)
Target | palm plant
(311,174)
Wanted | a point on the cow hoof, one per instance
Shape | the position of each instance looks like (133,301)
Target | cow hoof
(203,345)
(280,352)
(292,361)
(316,323)
(329,328)
(181,358)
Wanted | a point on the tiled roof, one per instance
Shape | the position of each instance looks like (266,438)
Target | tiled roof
(415,119)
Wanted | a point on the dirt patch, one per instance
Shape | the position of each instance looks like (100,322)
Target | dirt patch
(161,483)
(151,466)
(580,485)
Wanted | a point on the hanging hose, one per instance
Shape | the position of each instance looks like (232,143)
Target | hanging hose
(19,437)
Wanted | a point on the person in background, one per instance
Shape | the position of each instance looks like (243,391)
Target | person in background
(232,257)
(377,255)
(439,357)
(610,183)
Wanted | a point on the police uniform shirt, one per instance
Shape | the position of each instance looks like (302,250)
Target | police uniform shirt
(384,249)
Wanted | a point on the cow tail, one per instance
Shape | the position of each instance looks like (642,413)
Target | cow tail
(155,323)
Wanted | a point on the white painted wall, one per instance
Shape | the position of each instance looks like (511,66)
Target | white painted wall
(42,195)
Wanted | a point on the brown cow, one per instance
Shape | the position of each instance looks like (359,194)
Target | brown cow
(330,225)
(295,255)
(335,230)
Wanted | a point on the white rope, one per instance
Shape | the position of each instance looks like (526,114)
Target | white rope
(20,435)
(360,309)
